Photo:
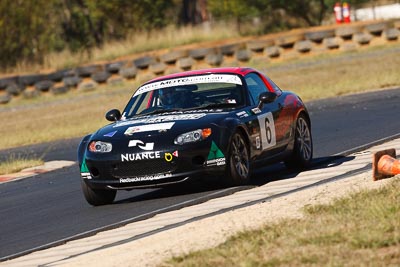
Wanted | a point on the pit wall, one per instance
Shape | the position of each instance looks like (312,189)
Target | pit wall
(267,48)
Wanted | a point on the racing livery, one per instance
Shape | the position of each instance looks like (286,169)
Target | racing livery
(223,122)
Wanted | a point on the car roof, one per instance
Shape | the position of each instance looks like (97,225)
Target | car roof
(242,71)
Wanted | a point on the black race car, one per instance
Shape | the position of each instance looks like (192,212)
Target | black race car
(224,122)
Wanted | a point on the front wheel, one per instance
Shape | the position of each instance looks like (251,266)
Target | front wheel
(238,165)
(98,197)
(303,146)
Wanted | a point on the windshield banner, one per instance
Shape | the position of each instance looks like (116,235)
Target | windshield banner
(211,78)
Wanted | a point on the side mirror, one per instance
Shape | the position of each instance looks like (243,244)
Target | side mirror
(113,115)
(265,98)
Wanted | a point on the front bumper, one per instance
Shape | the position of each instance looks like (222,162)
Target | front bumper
(154,169)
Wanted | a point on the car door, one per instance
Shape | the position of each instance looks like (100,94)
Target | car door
(272,141)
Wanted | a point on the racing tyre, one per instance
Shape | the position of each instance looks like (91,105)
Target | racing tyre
(238,165)
(303,146)
(98,197)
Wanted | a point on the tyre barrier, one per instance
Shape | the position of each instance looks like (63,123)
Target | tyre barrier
(58,90)
(157,68)
(128,72)
(229,49)
(13,89)
(303,46)
(214,60)
(258,46)
(114,67)
(278,46)
(391,34)
(376,28)
(87,71)
(319,35)
(173,56)
(200,53)
(4,82)
(100,76)
(243,55)
(272,51)
(144,62)
(44,86)
(5,98)
(71,81)
(362,38)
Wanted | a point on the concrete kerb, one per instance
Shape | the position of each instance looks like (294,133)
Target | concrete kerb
(357,164)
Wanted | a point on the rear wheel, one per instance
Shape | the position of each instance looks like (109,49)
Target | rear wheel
(98,197)
(238,166)
(303,146)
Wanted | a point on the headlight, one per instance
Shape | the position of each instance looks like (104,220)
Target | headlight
(192,136)
(100,147)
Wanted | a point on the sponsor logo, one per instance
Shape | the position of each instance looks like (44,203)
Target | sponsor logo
(141,144)
(243,114)
(256,110)
(216,162)
(161,121)
(215,156)
(140,156)
(170,156)
(110,134)
(145,178)
(148,128)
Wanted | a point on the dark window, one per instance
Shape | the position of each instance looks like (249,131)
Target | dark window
(256,87)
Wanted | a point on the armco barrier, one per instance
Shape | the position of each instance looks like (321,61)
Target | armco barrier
(278,46)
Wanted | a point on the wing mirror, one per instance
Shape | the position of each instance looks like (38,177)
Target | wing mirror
(265,98)
(113,115)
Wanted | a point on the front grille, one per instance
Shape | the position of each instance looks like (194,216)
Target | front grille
(144,167)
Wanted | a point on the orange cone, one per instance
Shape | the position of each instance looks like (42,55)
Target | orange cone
(385,164)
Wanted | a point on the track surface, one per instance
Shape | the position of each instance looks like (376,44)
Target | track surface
(50,207)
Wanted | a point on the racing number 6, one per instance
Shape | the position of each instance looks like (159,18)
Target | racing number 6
(267,130)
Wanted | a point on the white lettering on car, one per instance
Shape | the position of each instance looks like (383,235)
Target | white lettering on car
(216,162)
(140,156)
(223,78)
(145,178)
(149,128)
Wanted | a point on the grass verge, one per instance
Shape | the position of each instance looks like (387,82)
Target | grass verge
(15,164)
(360,230)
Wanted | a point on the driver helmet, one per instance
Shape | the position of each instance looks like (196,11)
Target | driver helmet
(167,96)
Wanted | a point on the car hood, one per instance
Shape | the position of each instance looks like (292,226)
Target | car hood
(161,124)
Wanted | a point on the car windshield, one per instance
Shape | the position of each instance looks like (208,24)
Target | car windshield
(187,93)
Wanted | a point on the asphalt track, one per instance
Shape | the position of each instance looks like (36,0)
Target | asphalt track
(49,208)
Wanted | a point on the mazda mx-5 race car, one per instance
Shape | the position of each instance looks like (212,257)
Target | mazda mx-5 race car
(222,122)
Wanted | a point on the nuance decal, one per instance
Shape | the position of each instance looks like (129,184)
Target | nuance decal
(168,156)
(140,156)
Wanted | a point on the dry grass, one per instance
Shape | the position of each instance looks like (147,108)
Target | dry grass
(138,42)
(15,164)
(360,230)
(338,73)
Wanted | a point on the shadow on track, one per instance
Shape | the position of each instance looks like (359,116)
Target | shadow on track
(211,184)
